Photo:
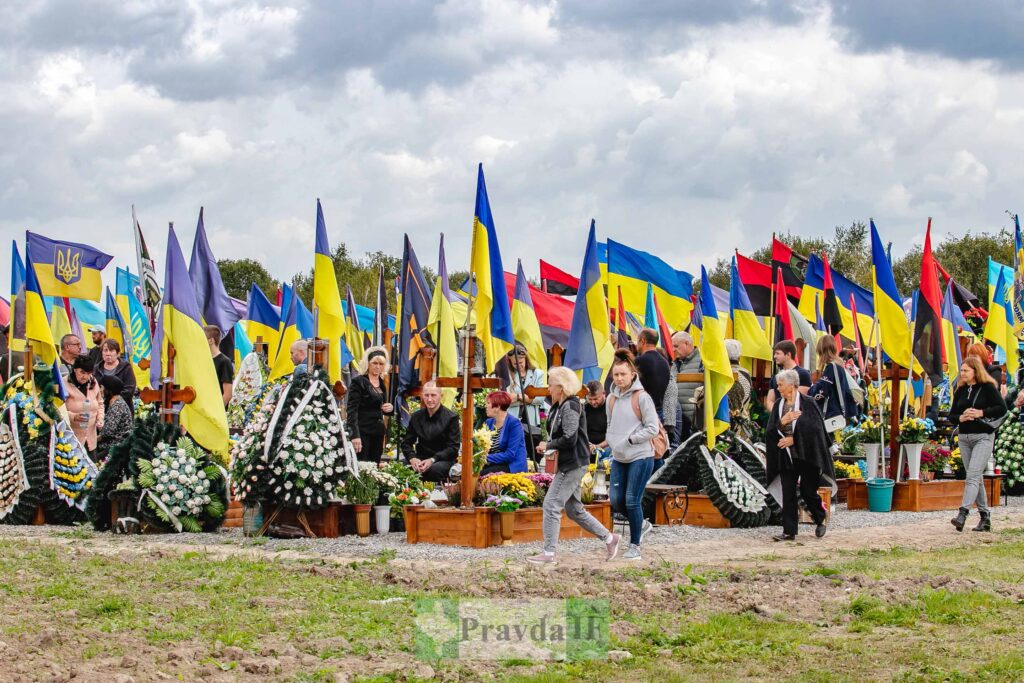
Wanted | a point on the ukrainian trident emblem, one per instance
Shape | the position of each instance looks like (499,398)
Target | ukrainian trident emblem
(67,265)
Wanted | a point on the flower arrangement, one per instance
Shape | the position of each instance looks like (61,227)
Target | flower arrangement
(508,484)
(606,466)
(181,485)
(247,459)
(506,502)
(13,478)
(1009,448)
(247,389)
(71,470)
(847,471)
(849,440)
(361,489)
(871,430)
(482,438)
(915,429)
(737,489)
(406,496)
(934,457)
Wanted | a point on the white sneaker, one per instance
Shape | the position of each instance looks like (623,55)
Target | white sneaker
(632,553)
(644,528)
(612,546)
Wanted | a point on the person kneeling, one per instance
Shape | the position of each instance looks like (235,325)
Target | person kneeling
(431,443)
(508,445)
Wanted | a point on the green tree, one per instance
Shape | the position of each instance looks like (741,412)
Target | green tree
(359,274)
(239,275)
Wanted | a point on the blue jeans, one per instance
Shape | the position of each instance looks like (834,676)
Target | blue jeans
(629,479)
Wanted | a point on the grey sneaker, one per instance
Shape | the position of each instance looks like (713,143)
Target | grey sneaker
(644,528)
(613,546)
(542,558)
(632,552)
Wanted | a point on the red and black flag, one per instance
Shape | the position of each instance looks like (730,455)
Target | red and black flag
(555,281)
(783,323)
(757,280)
(622,331)
(830,311)
(792,267)
(928,346)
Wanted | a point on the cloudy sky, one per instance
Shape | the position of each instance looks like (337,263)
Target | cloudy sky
(685,128)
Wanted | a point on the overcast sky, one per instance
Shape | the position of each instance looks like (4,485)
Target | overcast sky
(684,128)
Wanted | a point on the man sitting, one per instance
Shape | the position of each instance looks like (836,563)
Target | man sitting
(431,443)
(597,420)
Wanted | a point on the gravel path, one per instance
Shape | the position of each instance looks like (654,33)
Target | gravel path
(675,542)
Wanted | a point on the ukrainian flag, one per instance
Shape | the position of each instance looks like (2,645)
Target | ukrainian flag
(589,346)
(304,319)
(441,325)
(814,290)
(493,316)
(115,326)
(631,270)
(262,321)
(326,298)
(994,270)
(999,326)
(525,325)
(353,335)
(16,325)
(893,329)
(37,327)
(283,365)
(717,370)
(243,347)
(746,329)
(134,314)
(1017,300)
(950,336)
(181,325)
(66,269)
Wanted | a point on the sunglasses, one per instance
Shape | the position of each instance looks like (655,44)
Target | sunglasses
(512,354)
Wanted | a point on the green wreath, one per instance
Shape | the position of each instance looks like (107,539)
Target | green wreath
(738,518)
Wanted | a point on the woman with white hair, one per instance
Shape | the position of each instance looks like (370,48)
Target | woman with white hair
(797,455)
(367,405)
(567,446)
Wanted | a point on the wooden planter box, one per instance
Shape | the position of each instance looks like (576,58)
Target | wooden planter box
(323,522)
(842,487)
(479,527)
(698,508)
(826,497)
(233,517)
(925,496)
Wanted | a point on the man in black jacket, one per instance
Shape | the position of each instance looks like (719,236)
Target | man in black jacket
(652,367)
(431,443)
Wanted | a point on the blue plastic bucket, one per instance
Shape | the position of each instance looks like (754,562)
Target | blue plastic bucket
(880,494)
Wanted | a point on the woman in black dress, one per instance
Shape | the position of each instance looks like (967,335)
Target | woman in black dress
(367,406)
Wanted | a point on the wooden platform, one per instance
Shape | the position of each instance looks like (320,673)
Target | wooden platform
(479,527)
(924,496)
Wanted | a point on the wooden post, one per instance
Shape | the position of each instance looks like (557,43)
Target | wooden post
(895,374)
(317,354)
(557,353)
(28,361)
(169,393)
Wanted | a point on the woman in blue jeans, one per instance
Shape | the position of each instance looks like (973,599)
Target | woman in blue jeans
(632,423)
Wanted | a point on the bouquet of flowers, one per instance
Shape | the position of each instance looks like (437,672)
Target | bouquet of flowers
(508,484)
(406,496)
(915,429)
(13,478)
(181,486)
(846,471)
(849,439)
(934,457)
(1009,448)
(871,430)
(361,489)
(72,472)
(482,438)
(506,502)
(248,461)
(247,389)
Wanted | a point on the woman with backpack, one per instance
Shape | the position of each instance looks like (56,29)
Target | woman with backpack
(832,391)
(632,424)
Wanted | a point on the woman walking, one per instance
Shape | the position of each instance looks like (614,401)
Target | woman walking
(367,406)
(632,423)
(567,445)
(977,409)
(797,454)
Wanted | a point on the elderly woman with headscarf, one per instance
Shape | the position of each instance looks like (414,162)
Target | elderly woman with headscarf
(84,402)
(367,405)
(117,418)
(797,455)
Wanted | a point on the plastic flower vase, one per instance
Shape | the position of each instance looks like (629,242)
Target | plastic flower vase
(872,453)
(382,516)
(913,451)
(362,520)
(507,526)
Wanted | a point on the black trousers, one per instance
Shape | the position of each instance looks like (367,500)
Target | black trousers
(373,447)
(806,477)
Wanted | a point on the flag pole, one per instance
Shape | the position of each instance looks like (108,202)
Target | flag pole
(875,327)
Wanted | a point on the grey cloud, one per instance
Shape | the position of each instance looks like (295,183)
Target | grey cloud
(657,14)
(951,28)
(104,26)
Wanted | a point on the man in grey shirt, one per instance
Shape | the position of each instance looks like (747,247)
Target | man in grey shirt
(687,361)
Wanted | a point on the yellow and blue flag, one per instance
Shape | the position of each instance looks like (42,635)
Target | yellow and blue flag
(441,325)
(999,326)
(262,322)
(16,325)
(37,328)
(66,269)
(134,314)
(630,270)
(181,325)
(493,315)
(283,365)
(819,323)
(243,347)
(950,334)
(1017,298)
(330,320)
(746,328)
(893,328)
(994,270)
(116,328)
(718,378)
(525,325)
(353,334)
(60,324)
(590,348)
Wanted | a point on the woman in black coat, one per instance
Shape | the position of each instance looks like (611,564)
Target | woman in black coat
(797,455)
(367,406)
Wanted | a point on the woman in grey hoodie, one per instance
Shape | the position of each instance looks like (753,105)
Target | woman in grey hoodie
(632,423)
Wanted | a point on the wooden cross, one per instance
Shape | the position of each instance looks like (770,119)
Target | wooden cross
(169,393)
(317,353)
(895,374)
